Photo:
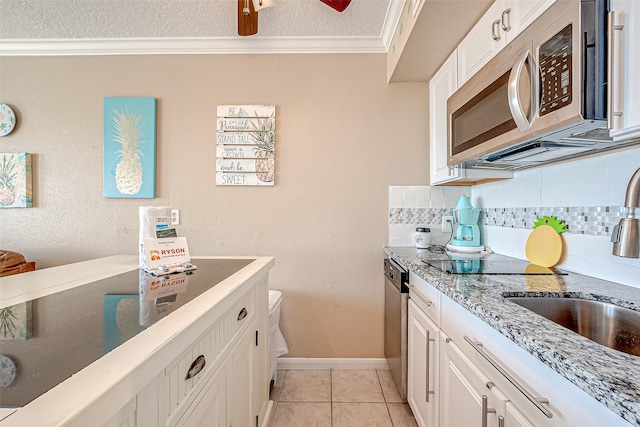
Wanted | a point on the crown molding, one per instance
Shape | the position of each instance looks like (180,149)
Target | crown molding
(391,22)
(147,46)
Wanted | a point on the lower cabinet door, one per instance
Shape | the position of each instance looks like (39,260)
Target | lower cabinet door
(241,382)
(422,384)
(514,418)
(466,396)
(209,408)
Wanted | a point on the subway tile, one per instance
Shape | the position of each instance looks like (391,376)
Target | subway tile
(418,192)
(396,192)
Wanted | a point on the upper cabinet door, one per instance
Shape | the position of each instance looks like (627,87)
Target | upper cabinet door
(504,20)
(625,62)
(441,86)
(519,14)
(482,43)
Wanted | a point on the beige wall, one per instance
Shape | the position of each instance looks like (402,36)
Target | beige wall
(343,136)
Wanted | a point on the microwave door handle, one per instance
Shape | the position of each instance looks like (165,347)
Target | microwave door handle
(515,105)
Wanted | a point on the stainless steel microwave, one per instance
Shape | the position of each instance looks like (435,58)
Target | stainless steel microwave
(542,99)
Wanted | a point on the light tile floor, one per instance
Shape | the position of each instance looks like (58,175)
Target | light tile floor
(338,398)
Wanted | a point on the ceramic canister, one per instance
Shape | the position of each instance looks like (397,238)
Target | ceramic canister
(423,237)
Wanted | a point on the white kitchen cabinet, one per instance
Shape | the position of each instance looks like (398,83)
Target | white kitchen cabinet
(566,406)
(143,382)
(500,24)
(242,382)
(626,68)
(467,397)
(423,349)
(514,418)
(482,43)
(209,407)
(441,87)
(228,396)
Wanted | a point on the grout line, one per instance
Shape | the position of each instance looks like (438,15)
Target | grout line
(331,397)
(331,402)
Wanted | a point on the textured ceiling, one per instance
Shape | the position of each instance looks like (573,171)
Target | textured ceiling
(74,20)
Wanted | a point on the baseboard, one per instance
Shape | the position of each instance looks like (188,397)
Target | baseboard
(301,363)
(266,420)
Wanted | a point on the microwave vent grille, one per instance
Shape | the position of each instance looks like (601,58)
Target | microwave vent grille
(498,166)
(598,134)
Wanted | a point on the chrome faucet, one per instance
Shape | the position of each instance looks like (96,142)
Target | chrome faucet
(626,234)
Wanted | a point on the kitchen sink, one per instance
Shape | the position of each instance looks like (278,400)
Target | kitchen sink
(608,324)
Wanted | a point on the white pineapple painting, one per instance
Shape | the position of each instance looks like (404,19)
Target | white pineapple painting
(127,134)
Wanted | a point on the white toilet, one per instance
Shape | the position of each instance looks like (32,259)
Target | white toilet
(278,346)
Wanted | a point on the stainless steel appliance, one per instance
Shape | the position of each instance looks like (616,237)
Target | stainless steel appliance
(542,99)
(396,295)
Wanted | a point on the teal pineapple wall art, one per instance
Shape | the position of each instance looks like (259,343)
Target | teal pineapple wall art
(129,148)
(15,180)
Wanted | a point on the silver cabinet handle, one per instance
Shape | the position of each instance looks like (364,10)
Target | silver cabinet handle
(243,313)
(196,367)
(611,57)
(427,391)
(506,19)
(495,30)
(419,295)
(537,401)
(515,105)
(486,410)
(500,421)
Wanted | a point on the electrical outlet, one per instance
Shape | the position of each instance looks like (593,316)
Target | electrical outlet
(447,223)
(175,217)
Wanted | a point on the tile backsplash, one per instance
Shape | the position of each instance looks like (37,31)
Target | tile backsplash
(587,194)
(420,206)
(592,220)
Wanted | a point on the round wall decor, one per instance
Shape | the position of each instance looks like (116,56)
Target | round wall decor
(7,371)
(7,120)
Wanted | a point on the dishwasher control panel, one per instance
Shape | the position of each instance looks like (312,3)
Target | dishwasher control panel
(396,275)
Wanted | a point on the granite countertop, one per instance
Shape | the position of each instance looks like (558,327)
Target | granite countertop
(610,376)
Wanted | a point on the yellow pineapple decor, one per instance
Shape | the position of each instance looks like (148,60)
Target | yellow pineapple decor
(544,245)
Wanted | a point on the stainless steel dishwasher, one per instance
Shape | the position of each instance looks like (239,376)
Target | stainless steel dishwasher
(396,295)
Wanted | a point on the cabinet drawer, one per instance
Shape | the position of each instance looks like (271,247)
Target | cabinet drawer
(180,390)
(427,297)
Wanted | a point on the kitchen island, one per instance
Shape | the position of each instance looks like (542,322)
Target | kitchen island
(107,344)
(610,377)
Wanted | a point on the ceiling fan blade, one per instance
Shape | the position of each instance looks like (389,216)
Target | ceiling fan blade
(338,5)
(247,18)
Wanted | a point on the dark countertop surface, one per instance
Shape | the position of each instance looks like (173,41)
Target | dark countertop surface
(71,329)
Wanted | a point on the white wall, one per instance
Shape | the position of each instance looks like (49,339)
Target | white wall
(594,181)
(343,135)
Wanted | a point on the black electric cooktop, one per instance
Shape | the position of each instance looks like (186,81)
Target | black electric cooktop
(490,264)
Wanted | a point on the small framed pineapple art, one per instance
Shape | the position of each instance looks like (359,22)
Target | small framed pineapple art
(129,148)
(15,180)
(246,145)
